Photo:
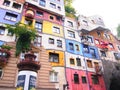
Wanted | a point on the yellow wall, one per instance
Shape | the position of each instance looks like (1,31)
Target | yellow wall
(47,28)
(33,23)
(61,58)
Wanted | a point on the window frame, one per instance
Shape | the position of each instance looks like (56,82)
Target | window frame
(76,78)
(54,76)
(51,41)
(54,57)
(59,43)
(10,16)
(71,34)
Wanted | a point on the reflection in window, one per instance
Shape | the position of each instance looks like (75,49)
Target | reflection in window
(76,78)
(10,16)
(53,57)
(42,3)
(71,46)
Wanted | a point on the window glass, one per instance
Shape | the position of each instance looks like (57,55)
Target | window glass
(10,16)
(53,57)
(51,41)
(59,43)
(76,79)
(71,46)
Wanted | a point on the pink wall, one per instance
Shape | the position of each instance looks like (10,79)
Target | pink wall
(100,86)
(45,16)
(83,86)
(70,78)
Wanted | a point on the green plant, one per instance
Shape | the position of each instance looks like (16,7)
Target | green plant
(24,35)
(7,47)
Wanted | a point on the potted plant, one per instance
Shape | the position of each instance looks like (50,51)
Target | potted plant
(4,54)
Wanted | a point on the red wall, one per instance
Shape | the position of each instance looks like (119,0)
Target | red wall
(100,86)
(45,16)
(81,86)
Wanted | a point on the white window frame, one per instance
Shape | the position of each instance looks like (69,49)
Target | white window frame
(53,76)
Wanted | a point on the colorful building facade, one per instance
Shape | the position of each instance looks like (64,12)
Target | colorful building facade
(74,54)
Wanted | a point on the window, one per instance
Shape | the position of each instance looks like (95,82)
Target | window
(95,79)
(85,49)
(51,41)
(89,63)
(42,3)
(38,26)
(109,37)
(59,8)
(2,30)
(117,56)
(71,46)
(76,79)
(10,16)
(59,43)
(16,6)
(70,23)
(53,57)
(105,35)
(22,56)
(89,39)
(78,61)
(96,64)
(53,76)
(92,51)
(71,34)
(56,30)
(28,22)
(85,23)
(38,13)
(84,79)
(52,5)
(36,54)
(1,72)
(58,18)
(99,34)
(111,45)
(97,41)
(51,17)
(103,54)
(37,41)
(118,47)
(6,3)
(72,61)
(77,47)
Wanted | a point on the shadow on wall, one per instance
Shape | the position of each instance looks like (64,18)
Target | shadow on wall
(115,79)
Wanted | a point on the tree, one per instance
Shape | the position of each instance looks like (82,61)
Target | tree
(24,35)
(69,10)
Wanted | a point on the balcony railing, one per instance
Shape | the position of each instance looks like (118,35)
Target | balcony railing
(29,63)
(104,46)
(29,13)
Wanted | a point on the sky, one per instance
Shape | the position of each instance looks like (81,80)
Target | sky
(109,10)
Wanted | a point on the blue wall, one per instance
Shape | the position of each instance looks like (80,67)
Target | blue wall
(88,54)
(73,51)
(2,15)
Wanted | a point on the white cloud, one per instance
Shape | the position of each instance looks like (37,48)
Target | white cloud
(108,9)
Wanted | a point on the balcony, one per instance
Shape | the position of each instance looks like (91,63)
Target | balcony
(86,40)
(29,63)
(104,46)
(30,13)
(4,56)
